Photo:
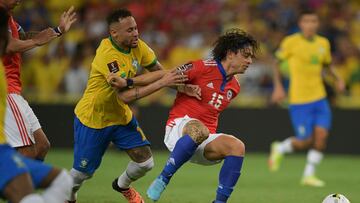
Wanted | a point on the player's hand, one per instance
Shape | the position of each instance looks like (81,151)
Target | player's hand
(340,85)
(191,90)
(278,95)
(173,78)
(67,19)
(44,36)
(116,81)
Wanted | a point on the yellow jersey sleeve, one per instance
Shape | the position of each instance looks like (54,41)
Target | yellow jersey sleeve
(285,50)
(2,103)
(327,57)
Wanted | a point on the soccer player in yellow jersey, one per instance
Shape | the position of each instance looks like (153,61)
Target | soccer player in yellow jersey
(19,175)
(307,55)
(103,115)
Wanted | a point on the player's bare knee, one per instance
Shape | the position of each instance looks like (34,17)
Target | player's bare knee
(197,131)
(28,151)
(236,147)
(42,149)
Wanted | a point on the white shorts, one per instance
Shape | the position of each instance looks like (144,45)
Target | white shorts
(174,132)
(20,121)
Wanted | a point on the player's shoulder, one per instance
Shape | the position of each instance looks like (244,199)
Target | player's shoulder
(292,38)
(322,39)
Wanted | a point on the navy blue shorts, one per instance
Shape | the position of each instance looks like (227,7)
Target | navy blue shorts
(305,117)
(12,164)
(91,144)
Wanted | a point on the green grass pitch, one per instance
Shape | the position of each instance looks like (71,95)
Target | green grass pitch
(197,184)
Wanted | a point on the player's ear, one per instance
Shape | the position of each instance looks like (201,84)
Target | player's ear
(112,31)
(230,54)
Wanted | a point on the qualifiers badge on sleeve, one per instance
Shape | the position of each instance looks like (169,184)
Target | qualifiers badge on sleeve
(113,67)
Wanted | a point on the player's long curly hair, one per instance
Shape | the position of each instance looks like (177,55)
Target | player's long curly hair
(233,40)
(4,17)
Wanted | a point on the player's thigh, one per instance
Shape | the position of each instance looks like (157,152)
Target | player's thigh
(224,145)
(13,181)
(89,146)
(199,155)
(302,120)
(41,141)
(174,131)
(323,115)
(17,126)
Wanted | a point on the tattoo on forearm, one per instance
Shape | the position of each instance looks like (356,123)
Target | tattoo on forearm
(28,35)
(136,93)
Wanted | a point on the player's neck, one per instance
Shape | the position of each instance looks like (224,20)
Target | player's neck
(308,36)
(228,69)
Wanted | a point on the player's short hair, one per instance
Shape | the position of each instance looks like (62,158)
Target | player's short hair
(116,15)
(4,18)
(307,11)
(233,40)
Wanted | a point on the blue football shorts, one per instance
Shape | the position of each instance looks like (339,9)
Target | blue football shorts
(13,164)
(91,144)
(305,117)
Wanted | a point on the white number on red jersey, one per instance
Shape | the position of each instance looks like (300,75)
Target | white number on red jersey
(216,100)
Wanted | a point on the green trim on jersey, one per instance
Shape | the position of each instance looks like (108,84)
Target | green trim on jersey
(117,47)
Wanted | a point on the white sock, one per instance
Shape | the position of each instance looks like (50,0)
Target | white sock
(79,178)
(60,188)
(314,157)
(134,171)
(32,198)
(286,146)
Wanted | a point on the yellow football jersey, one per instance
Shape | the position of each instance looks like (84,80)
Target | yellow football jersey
(100,107)
(305,59)
(2,103)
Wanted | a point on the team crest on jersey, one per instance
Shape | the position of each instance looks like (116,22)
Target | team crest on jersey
(113,67)
(135,64)
(229,94)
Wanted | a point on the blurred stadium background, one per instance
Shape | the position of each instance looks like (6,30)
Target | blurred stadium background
(55,76)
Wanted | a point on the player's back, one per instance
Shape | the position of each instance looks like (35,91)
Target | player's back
(12,62)
(305,58)
(216,93)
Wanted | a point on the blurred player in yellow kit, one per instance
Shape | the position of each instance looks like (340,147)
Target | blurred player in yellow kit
(307,55)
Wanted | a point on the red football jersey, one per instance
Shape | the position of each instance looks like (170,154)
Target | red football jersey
(216,93)
(12,62)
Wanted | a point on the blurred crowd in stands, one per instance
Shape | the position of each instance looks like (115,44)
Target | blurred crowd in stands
(182,30)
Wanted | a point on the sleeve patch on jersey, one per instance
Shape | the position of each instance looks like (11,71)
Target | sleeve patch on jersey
(185,67)
(113,67)
(229,95)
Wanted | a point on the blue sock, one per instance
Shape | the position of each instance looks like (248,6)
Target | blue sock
(184,149)
(229,175)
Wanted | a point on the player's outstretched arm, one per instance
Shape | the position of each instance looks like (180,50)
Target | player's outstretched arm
(278,94)
(43,37)
(339,82)
(66,20)
(171,78)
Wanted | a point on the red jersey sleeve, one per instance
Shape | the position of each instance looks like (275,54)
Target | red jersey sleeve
(191,69)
